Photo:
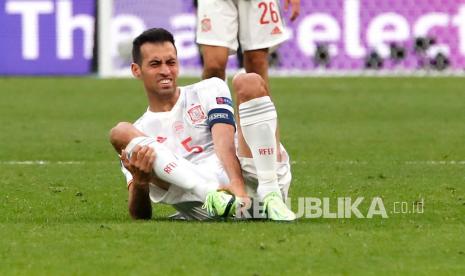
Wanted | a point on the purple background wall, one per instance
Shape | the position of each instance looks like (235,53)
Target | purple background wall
(329,22)
(47,61)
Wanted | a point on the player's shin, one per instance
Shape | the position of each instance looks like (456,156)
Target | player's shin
(172,169)
(258,121)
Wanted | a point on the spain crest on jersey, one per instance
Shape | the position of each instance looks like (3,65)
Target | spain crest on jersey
(196,114)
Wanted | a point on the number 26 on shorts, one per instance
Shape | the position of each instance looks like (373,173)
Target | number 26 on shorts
(269,12)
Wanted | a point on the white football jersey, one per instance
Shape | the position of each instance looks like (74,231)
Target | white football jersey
(185,130)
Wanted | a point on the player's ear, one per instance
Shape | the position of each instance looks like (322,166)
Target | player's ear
(135,69)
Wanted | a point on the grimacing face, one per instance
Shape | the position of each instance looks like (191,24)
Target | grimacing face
(159,68)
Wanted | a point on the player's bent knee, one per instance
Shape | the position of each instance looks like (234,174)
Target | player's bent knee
(122,134)
(249,86)
(245,80)
(119,129)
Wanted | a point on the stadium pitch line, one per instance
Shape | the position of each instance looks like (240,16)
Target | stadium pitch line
(45,162)
(332,162)
(435,162)
(358,162)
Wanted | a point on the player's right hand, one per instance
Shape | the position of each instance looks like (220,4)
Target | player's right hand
(295,8)
(140,164)
(237,188)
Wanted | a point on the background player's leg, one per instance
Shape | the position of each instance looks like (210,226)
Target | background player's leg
(215,59)
(217,30)
(256,61)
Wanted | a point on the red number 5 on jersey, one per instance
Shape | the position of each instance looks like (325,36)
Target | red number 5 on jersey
(194,149)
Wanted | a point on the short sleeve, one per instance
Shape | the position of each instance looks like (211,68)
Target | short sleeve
(215,97)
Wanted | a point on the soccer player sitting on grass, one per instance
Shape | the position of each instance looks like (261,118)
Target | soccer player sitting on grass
(182,150)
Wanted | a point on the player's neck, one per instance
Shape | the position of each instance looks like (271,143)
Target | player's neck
(163,103)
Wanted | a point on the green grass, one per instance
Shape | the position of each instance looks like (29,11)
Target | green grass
(401,139)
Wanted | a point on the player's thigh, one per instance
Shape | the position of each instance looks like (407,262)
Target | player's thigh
(217,23)
(260,24)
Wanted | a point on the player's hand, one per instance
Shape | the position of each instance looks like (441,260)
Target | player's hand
(140,164)
(235,187)
(295,8)
(240,193)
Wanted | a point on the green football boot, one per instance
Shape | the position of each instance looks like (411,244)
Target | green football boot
(276,209)
(220,204)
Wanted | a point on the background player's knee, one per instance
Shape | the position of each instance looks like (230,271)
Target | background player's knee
(214,71)
(122,134)
(248,86)
(256,61)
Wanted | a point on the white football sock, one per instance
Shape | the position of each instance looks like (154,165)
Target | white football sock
(173,169)
(258,121)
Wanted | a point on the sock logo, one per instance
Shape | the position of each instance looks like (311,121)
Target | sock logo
(266,151)
(161,139)
(169,168)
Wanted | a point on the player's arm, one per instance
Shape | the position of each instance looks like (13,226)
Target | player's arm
(139,204)
(216,97)
(223,143)
(140,165)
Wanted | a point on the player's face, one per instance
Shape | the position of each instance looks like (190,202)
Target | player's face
(159,69)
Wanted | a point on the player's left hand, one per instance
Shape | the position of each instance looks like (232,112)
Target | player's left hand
(295,8)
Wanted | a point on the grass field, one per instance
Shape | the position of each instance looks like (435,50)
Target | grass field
(63,200)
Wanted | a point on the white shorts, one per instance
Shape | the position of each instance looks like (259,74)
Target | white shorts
(257,24)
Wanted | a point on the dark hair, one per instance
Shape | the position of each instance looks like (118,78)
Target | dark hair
(154,35)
